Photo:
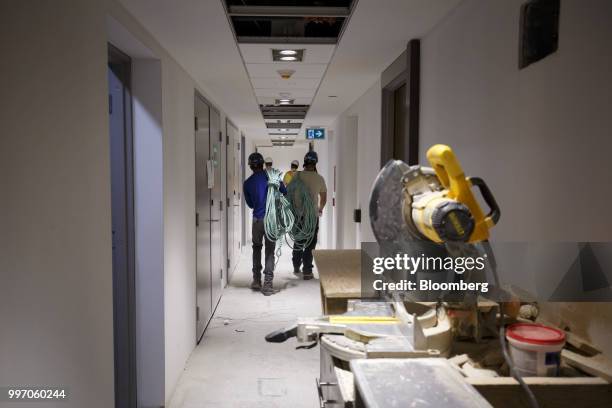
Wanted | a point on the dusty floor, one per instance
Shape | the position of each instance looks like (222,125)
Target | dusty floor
(234,367)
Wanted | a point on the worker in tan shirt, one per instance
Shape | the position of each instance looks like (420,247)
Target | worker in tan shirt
(318,193)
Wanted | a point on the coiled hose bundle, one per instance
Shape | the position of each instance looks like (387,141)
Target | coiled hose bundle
(294,216)
(305,214)
(279,218)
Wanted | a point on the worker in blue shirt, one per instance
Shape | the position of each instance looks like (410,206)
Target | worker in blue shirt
(255,193)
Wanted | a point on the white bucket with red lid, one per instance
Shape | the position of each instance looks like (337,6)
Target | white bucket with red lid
(535,349)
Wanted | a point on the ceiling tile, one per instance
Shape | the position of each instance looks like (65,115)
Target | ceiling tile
(285,84)
(293,93)
(262,53)
(301,70)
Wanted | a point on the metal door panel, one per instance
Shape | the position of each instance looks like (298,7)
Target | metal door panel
(233,194)
(203,224)
(216,213)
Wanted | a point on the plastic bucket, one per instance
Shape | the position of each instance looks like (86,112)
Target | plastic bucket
(535,349)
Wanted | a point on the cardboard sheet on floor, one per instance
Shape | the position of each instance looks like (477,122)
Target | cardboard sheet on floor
(340,277)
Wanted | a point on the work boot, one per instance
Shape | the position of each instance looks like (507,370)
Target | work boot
(308,275)
(256,284)
(296,271)
(267,289)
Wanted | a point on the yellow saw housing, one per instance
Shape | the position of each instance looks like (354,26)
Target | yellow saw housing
(448,211)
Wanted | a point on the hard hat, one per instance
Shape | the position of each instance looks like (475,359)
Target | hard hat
(268,159)
(295,163)
(255,159)
(311,158)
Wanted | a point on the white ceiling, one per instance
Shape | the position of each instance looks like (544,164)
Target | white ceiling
(304,81)
(377,33)
(198,35)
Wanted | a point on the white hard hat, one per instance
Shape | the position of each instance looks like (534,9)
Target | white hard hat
(295,163)
(268,159)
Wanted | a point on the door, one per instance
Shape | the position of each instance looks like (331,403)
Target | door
(202,218)
(122,218)
(234,193)
(217,212)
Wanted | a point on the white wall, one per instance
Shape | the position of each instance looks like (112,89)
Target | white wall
(539,136)
(177,92)
(357,159)
(55,246)
(149,230)
(55,265)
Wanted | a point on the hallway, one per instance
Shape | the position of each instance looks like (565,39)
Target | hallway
(233,366)
(142,148)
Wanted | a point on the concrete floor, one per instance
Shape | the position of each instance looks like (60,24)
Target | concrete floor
(233,366)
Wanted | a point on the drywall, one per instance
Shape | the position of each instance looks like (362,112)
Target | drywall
(177,92)
(149,230)
(55,246)
(357,157)
(343,151)
(539,136)
(56,261)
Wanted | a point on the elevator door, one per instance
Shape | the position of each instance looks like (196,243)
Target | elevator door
(217,213)
(203,205)
(122,217)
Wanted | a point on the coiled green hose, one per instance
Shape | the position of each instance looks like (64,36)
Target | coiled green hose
(279,218)
(295,216)
(305,213)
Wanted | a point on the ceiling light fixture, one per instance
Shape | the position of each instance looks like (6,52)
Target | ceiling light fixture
(284,101)
(285,55)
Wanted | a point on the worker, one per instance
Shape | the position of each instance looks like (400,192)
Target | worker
(255,193)
(318,193)
(268,163)
(289,175)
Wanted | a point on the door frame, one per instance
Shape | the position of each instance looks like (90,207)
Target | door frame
(411,77)
(126,349)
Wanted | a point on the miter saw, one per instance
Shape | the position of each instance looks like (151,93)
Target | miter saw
(433,211)
(416,210)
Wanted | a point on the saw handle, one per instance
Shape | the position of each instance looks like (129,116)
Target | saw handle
(487,195)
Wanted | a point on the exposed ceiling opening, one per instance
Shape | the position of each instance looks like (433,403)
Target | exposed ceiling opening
(260,29)
(292,3)
(283,125)
(276,112)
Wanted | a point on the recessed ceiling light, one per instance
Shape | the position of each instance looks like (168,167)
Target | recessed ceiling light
(284,101)
(286,55)
(284,137)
